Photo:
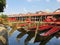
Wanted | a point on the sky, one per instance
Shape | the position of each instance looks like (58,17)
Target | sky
(25,6)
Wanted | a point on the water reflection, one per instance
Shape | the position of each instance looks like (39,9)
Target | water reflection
(41,39)
(31,34)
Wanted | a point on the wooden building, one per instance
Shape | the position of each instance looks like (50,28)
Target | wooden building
(40,15)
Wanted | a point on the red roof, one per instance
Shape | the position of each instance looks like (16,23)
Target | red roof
(40,13)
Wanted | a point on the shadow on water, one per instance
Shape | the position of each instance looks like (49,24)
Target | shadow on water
(20,37)
(41,39)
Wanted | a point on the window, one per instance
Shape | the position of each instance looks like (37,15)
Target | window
(35,18)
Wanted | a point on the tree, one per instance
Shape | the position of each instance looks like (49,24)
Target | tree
(3,18)
(2,5)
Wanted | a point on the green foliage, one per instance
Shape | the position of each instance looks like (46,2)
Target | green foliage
(3,2)
(3,16)
(2,5)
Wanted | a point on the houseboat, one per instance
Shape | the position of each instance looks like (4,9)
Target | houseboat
(41,20)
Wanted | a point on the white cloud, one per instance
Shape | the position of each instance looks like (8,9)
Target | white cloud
(29,0)
(6,5)
(25,10)
(33,0)
(47,0)
(47,10)
(58,0)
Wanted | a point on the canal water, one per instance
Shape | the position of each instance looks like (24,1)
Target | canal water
(13,41)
